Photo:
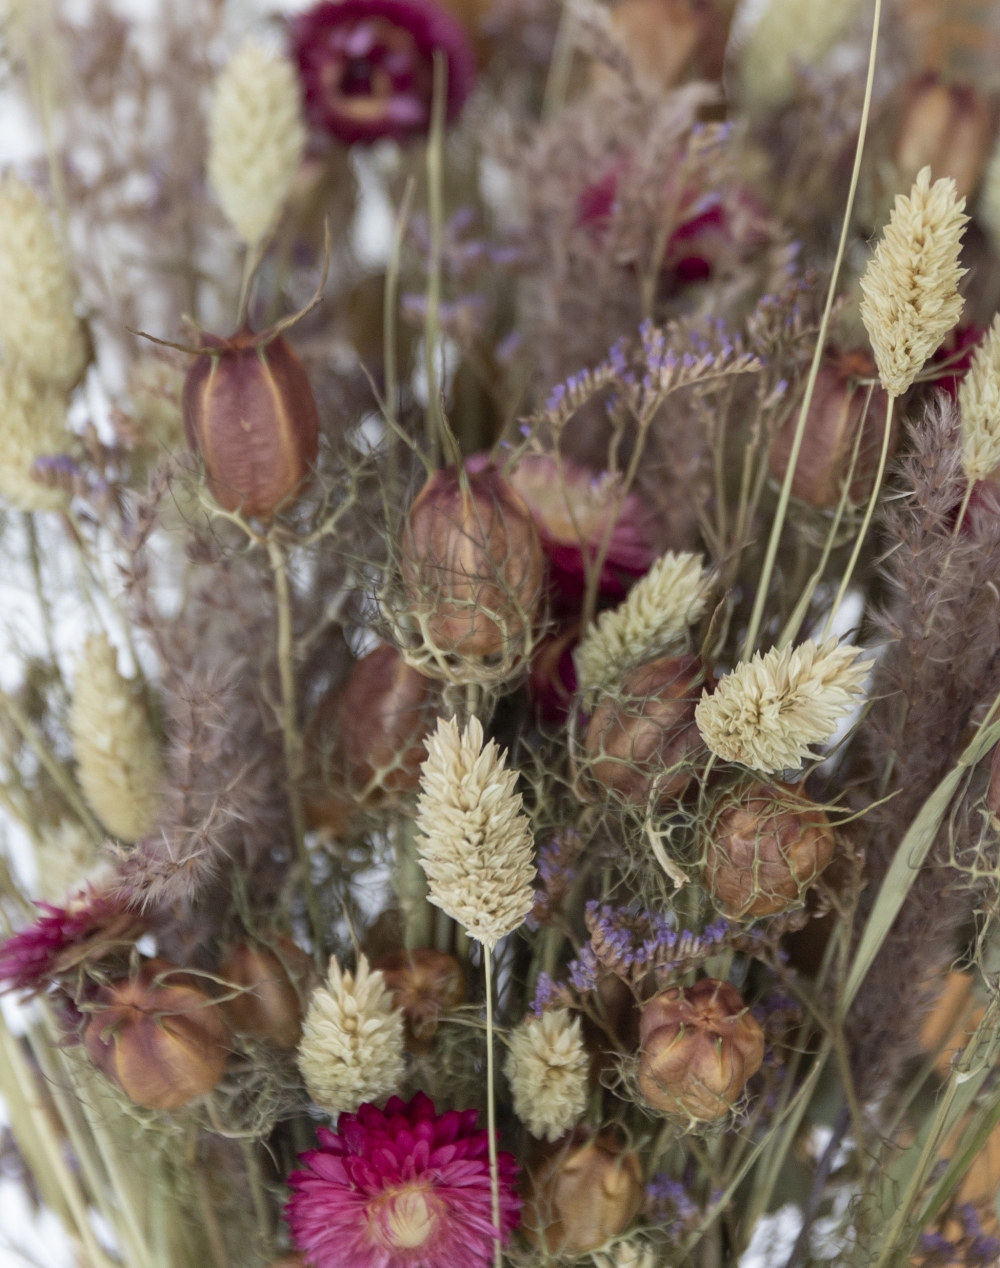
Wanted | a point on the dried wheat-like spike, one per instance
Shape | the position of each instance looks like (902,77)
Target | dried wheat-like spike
(66,857)
(32,426)
(118,758)
(352,1040)
(658,610)
(547,1067)
(979,400)
(37,320)
(911,284)
(767,712)
(477,843)
(256,138)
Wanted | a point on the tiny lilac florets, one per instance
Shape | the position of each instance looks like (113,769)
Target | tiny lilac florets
(402,1187)
(367,66)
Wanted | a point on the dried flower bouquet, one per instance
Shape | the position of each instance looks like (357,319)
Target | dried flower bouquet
(500,708)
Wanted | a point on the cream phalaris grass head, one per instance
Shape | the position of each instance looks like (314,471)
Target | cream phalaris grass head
(979,401)
(256,138)
(910,287)
(38,322)
(32,426)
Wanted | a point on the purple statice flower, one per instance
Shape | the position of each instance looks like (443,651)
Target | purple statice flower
(546,994)
(583,971)
(670,1205)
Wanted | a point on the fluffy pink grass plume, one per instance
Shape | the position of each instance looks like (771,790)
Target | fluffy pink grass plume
(87,928)
(403,1187)
(367,66)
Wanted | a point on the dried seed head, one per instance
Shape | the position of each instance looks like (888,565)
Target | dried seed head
(767,843)
(249,411)
(547,1067)
(352,1041)
(657,613)
(38,325)
(642,738)
(157,1036)
(586,1193)
(911,283)
(425,984)
(698,1045)
(381,718)
(32,426)
(117,754)
(256,138)
(767,712)
(979,400)
(946,127)
(66,857)
(476,846)
(274,979)
(155,389)
(837,412)
(472,563)
(790,34)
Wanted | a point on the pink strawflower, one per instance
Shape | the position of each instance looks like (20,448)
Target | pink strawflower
(367,66)
(402,1187)
(88,928)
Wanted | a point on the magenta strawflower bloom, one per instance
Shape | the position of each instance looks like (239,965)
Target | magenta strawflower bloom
(367,66)
(89,927)
(403,1187)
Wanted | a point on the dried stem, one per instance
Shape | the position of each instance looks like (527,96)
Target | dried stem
(491,1108)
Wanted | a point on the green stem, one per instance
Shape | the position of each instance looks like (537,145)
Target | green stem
(845,581)
(293,744)
(55,769)
(437,434)
(491,1109)
(786,488)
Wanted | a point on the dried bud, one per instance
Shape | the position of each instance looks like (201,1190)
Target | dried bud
(947,127)
(666,40)
(424,984)
(587,1192)
(698,1046)
(250,412)
(766,845)
(472,562)
(162,1041)
(379,722)
(835,415)
(270,1006)
(640,739)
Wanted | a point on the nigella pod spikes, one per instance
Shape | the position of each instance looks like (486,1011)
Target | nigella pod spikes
(249,411)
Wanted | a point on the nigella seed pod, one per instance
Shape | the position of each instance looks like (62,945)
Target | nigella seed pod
(767,843)
(947,127)
(250,412)
(837,411)
(641,737)
(158,1036)
(698,1045)
(588,1191)
(425,984)
(472,563)
(275,980)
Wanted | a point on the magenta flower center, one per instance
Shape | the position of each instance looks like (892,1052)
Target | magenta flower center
(404,1218)
(373,68)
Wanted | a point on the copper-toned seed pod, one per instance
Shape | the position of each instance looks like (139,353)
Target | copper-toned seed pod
(948,127)
(642,736)
(835,415)
(583,1194)
(698,1045)
(250,412)
(163,1043)
(767,843)
(424,983)
(472,562)
(274,979)
(384,714)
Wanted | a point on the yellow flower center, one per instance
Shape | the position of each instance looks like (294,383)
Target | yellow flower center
(404,1218)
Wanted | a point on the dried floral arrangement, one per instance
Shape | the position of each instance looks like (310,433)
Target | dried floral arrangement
(500,520)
